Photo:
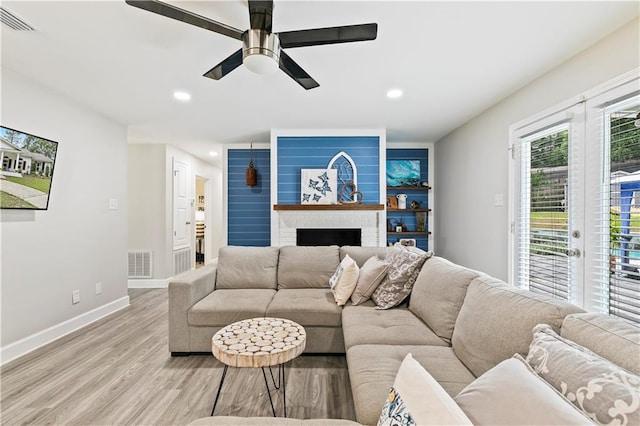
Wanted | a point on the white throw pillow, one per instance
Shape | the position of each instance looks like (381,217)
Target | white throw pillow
(416,398)
(344,280)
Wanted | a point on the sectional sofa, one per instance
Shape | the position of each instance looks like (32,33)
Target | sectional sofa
(458,324)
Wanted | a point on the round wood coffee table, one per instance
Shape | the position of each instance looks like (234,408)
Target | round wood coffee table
(259,342)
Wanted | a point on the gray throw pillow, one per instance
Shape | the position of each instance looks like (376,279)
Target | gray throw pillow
(404,267)
(371,275)
(604,391)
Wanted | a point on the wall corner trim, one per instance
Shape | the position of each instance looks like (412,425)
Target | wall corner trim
(41,338)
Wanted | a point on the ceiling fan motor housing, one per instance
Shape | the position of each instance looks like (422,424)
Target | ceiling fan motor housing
(260,51)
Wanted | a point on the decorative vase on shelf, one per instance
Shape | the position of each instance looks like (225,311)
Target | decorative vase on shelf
(402,201)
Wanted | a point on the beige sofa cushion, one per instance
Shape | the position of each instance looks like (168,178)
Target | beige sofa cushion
(373,368)
(247,267)
(511,394)
(307,267)
(417,396)
(496,321)
(611,338)
(362,254)
(438,294)
(604,391)
(306,306)
(223,307)
(363,324)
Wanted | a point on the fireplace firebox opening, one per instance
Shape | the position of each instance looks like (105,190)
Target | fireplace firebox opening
(328,237)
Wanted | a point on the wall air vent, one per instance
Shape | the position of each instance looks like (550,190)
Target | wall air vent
(12,21)
(181,261)
(140,264)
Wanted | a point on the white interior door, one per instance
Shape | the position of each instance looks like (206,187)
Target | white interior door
(548,221)
(181,212)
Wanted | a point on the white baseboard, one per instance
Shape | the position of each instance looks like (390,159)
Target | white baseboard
(161,283)
(30,343)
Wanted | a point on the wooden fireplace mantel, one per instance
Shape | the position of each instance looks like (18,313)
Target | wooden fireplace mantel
(290,207)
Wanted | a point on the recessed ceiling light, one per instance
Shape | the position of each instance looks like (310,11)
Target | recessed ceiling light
(181,96)
(394,93)
(213,153)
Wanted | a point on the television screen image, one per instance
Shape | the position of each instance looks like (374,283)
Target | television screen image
(26,170)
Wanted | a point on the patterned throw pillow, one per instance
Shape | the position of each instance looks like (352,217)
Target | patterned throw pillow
(395,411)
(604,391)
(347,278)
(404,267)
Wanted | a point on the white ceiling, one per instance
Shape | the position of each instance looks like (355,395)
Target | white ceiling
(452,59)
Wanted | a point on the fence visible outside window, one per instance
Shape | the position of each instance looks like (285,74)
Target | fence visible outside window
(621,140)
(576,192)
(543,214)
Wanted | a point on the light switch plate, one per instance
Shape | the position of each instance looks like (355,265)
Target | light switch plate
(113,204)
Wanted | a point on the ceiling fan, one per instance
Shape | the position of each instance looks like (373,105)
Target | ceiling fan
(261,48)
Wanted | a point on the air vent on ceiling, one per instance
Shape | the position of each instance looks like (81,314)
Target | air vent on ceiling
(12,21)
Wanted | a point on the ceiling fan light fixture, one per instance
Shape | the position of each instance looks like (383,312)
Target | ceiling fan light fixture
(261,52)
(260,63)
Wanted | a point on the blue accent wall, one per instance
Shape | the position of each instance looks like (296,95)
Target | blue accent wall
(249,208)
(295,153)
(408,217)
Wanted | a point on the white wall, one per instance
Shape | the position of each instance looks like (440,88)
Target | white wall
(147,195)
(472,162)
(150,186)
(78,241)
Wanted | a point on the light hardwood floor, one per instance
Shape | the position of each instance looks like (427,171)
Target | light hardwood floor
(119,371)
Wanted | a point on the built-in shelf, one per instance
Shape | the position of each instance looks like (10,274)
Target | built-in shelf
(328,206)
(407,188)
(407,210)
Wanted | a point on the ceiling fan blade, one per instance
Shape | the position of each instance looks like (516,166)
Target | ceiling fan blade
(226,66)
(182,15)
(294,71)
(333,35)
(260,12)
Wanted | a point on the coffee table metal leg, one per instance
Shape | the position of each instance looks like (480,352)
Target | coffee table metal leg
(284,388)
(266,383)
(277,387)
(224,373)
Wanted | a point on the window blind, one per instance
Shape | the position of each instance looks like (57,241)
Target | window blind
(543,216)
(617,283)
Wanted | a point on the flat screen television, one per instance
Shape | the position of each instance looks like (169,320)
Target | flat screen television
(27,163)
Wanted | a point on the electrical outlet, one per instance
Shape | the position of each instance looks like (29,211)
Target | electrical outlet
(98,288)
(75,296)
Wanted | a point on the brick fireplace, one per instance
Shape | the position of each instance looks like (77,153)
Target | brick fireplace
(370,222)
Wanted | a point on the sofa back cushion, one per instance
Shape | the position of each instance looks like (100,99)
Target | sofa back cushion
(247,267)
(307,267)
(611,338)
(496,321)
(362,254)
(438,294)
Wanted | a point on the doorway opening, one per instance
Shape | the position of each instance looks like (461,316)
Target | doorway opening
(200,221)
